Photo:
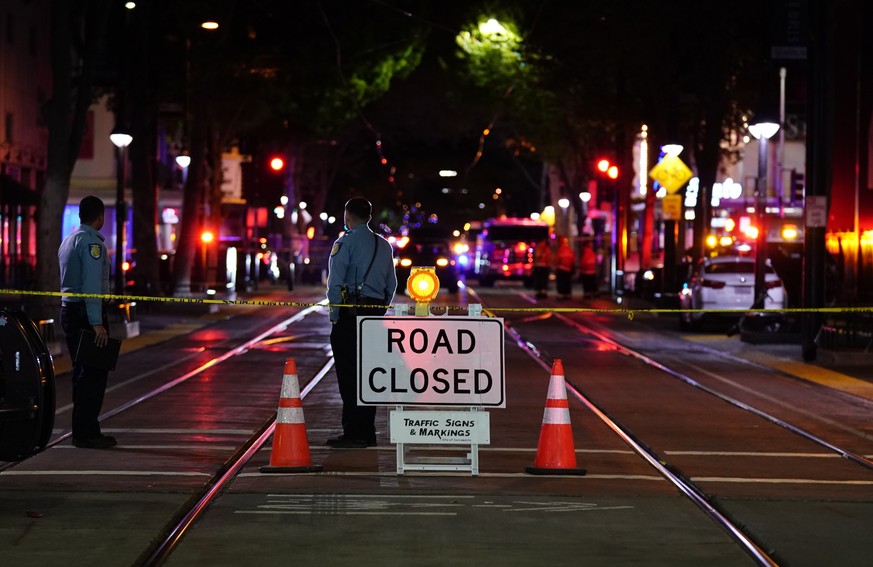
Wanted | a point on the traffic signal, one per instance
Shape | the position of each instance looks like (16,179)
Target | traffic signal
(798,187)
(605,192)
(277,163)
(607,168)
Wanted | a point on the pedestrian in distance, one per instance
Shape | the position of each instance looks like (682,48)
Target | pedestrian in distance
(84,267)
(542,267)
(588,270)
(565,264)
(360,273)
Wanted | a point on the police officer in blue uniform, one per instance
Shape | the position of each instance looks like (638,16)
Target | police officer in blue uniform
(361,272)
(84,268)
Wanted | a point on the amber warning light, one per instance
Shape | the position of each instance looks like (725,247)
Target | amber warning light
(423,284)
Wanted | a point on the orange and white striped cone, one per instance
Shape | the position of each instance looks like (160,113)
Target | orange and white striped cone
(290,452)
(555,452)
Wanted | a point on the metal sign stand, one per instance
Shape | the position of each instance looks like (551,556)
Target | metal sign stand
(479,433)
(407,462)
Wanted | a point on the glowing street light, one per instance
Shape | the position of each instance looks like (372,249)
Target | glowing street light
(120,138)
(183,160)
(763,131)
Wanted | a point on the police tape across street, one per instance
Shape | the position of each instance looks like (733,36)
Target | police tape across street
(629,312)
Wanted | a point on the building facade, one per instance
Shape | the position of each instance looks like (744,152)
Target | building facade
(25,86)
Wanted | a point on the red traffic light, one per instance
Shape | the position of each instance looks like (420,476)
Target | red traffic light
(277,163)
(604,166)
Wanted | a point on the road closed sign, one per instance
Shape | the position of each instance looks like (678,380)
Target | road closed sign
(430,361)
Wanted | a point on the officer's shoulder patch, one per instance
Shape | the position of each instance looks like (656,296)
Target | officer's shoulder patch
(336,248)
(96,250)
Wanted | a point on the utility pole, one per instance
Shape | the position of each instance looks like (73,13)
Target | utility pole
(817,151)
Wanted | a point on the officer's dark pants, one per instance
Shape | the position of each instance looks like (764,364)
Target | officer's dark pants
(89,383)
(359,422)
(562,281)
(541,278)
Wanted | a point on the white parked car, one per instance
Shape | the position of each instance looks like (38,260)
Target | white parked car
(726,283)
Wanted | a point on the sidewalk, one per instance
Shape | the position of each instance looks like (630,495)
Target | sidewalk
(847,370)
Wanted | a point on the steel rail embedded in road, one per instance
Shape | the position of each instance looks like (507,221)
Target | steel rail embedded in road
(219,481)
(684,485)
(187,376)
(845,453)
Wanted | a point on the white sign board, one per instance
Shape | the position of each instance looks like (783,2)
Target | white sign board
(430,361)
(816,211)
(440,427)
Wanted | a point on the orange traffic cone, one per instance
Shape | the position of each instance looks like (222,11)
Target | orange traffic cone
(290,446)
(555,452)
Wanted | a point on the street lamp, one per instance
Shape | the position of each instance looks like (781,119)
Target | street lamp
(564,203)
(120,138)
(183,160)
(762,131)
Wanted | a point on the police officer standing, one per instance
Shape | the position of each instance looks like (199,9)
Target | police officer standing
(85,269)
(361,272)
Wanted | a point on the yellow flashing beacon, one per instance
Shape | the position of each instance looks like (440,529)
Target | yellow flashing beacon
(422,286)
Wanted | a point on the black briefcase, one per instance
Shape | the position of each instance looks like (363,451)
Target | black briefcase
(89,354)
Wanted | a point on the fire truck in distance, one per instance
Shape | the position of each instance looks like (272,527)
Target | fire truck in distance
(504,249)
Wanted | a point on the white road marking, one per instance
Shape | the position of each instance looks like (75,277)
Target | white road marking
(781,480)
(16,472)
(246,432)
(458,474)
(408,505)
(755,454)
(203,447)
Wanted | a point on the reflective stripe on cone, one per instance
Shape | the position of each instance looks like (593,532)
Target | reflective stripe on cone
(290,452)
(556,453)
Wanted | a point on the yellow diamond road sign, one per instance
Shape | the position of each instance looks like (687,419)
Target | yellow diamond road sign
(671,172)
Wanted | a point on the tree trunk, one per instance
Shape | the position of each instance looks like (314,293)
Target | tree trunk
(191,205)
(66,130)
(142,153)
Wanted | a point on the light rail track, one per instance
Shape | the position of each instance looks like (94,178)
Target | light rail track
(220,478)
(184,377)
(736,528)
(173,532)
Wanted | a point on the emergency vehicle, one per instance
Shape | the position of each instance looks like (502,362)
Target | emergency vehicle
(504,249)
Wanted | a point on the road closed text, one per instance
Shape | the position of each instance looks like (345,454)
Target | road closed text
(454,361)
(441,381)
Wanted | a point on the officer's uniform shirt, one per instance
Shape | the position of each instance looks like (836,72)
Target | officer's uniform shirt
(349,258)
(85,269)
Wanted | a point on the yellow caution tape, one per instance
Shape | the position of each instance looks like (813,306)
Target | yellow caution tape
(630,313)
